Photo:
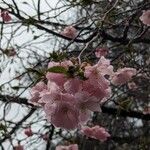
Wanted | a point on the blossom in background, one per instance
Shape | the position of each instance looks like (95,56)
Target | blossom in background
(145,18)
(18,147)
(96,132)
(70,147)
(101,52)
(132,86)
(70,32)
(28,132)
(123,75)
(5,16)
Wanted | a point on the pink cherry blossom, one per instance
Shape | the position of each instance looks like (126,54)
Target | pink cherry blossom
(28,132)
(63,114)
(101,52)
(18,147)
(103,67)
(145,18)
(70,32)
(98,89)
(96,132)
(97,84)
(70,147)
(36,90)
(5,16)
(123,75)
(86,104)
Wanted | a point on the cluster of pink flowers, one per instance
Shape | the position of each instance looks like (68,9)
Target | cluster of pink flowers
(96,132)
(69,97)
(70,32)
(70,147)
(5,16)
(145,18)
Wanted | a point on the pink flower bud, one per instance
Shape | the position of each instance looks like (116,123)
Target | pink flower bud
(28,132)
(5,16)
(70,32)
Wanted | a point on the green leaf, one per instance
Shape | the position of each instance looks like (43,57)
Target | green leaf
(57,69)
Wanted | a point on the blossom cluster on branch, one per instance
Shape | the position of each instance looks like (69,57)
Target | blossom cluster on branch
(72,91)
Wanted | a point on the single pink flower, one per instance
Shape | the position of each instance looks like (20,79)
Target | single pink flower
(97,85)
(102,68)
(5,16)
(70,147)
(63,114)
(28,132)
(145,18)
(96,132)
(101,52)
(123,75)
(70,32)
(18,147)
